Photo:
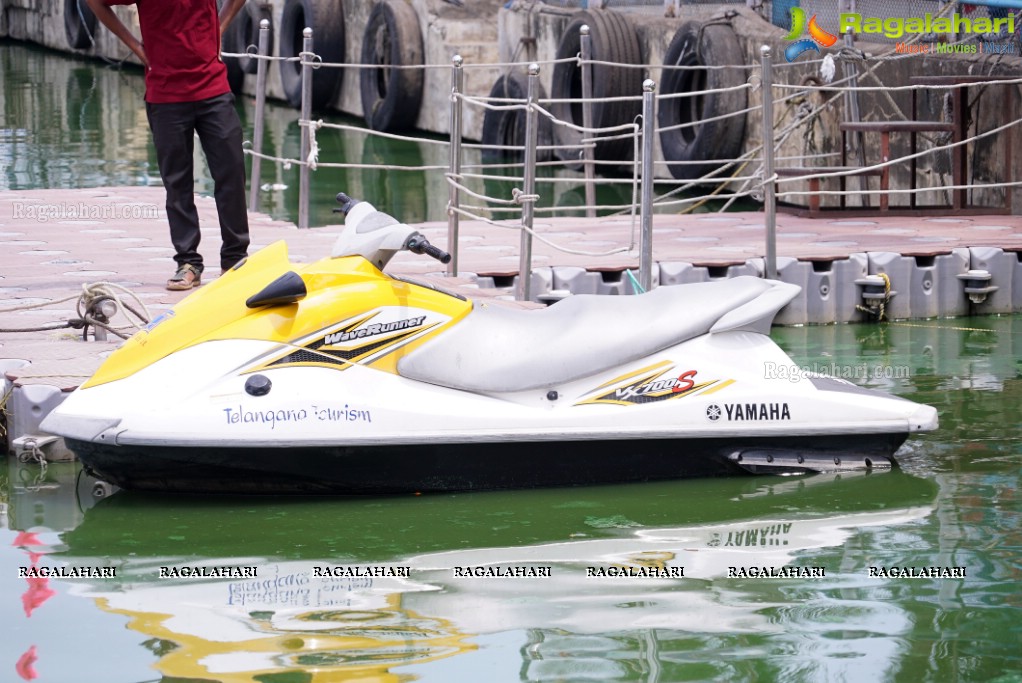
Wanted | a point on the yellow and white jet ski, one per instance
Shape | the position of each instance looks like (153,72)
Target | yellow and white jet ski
(336,377)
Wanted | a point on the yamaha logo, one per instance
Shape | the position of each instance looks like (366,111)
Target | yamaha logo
(748,412)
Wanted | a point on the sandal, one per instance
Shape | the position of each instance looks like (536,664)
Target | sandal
(186,277)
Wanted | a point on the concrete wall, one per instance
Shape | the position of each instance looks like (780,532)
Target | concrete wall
(488,35)
(447,30)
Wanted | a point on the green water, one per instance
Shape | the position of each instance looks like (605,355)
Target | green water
(72,123)
(953,503)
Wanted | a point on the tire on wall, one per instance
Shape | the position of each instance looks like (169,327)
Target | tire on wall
(613,39)
(233,42)
(506,127)
(711,45)
(79,24)
(391,97)
(248,32)
(326,19)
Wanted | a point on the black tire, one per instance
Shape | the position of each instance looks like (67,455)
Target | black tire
(506,127)
(391,97)
(232,41)
(697,45)
(248,32)
(613,39)
(326,18)
(235,77)
(79,24)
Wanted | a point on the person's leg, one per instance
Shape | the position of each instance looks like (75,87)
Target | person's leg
(173,127)
(220,134)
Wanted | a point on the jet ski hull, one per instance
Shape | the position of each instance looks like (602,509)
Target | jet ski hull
(332,377)
(436,467)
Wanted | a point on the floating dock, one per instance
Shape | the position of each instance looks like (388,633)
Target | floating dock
(56,241)
(883,265)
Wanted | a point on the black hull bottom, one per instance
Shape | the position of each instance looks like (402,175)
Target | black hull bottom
(467,467)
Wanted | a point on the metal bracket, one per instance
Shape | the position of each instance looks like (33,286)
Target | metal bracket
(977,285)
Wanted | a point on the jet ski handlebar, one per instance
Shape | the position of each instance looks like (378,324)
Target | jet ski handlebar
(377,236)
(417,244)
(345,202)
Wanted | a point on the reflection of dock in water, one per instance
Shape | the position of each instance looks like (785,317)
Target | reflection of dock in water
(290,619)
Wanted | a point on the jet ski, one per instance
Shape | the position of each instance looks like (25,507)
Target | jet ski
(336,377)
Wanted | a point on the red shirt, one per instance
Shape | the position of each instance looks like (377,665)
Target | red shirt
(182,43)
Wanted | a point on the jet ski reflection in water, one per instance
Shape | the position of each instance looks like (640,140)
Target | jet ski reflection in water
(423,577)
(336,377)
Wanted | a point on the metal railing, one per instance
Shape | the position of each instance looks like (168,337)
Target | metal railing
(751,175)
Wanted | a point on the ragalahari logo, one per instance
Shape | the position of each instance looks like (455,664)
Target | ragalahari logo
(817,36)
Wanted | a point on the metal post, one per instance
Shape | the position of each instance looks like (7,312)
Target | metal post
(646,205)
(769,201)
(260,105)
(454,166)
(586,53)
(524,290)
(851,71)
(304,121)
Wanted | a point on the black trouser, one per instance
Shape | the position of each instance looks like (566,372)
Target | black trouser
(174,126)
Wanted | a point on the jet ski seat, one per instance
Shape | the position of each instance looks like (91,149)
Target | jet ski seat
(501,349)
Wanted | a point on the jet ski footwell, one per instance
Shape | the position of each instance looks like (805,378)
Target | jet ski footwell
(474,466)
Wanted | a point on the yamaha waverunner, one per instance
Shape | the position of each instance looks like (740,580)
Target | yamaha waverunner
(335,377)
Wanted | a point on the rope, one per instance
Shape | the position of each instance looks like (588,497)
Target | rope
(42,328)
(519,197)
(28,307)
(111,290)
(314,60)
(901,159)
(800,115)
(878,310)
(635,283)
(423,67)
(945,327)
(886,90)
(918,190)
(91,293)
(376,133)
(578,252)
(313,158)
(744,160)
(709,119)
